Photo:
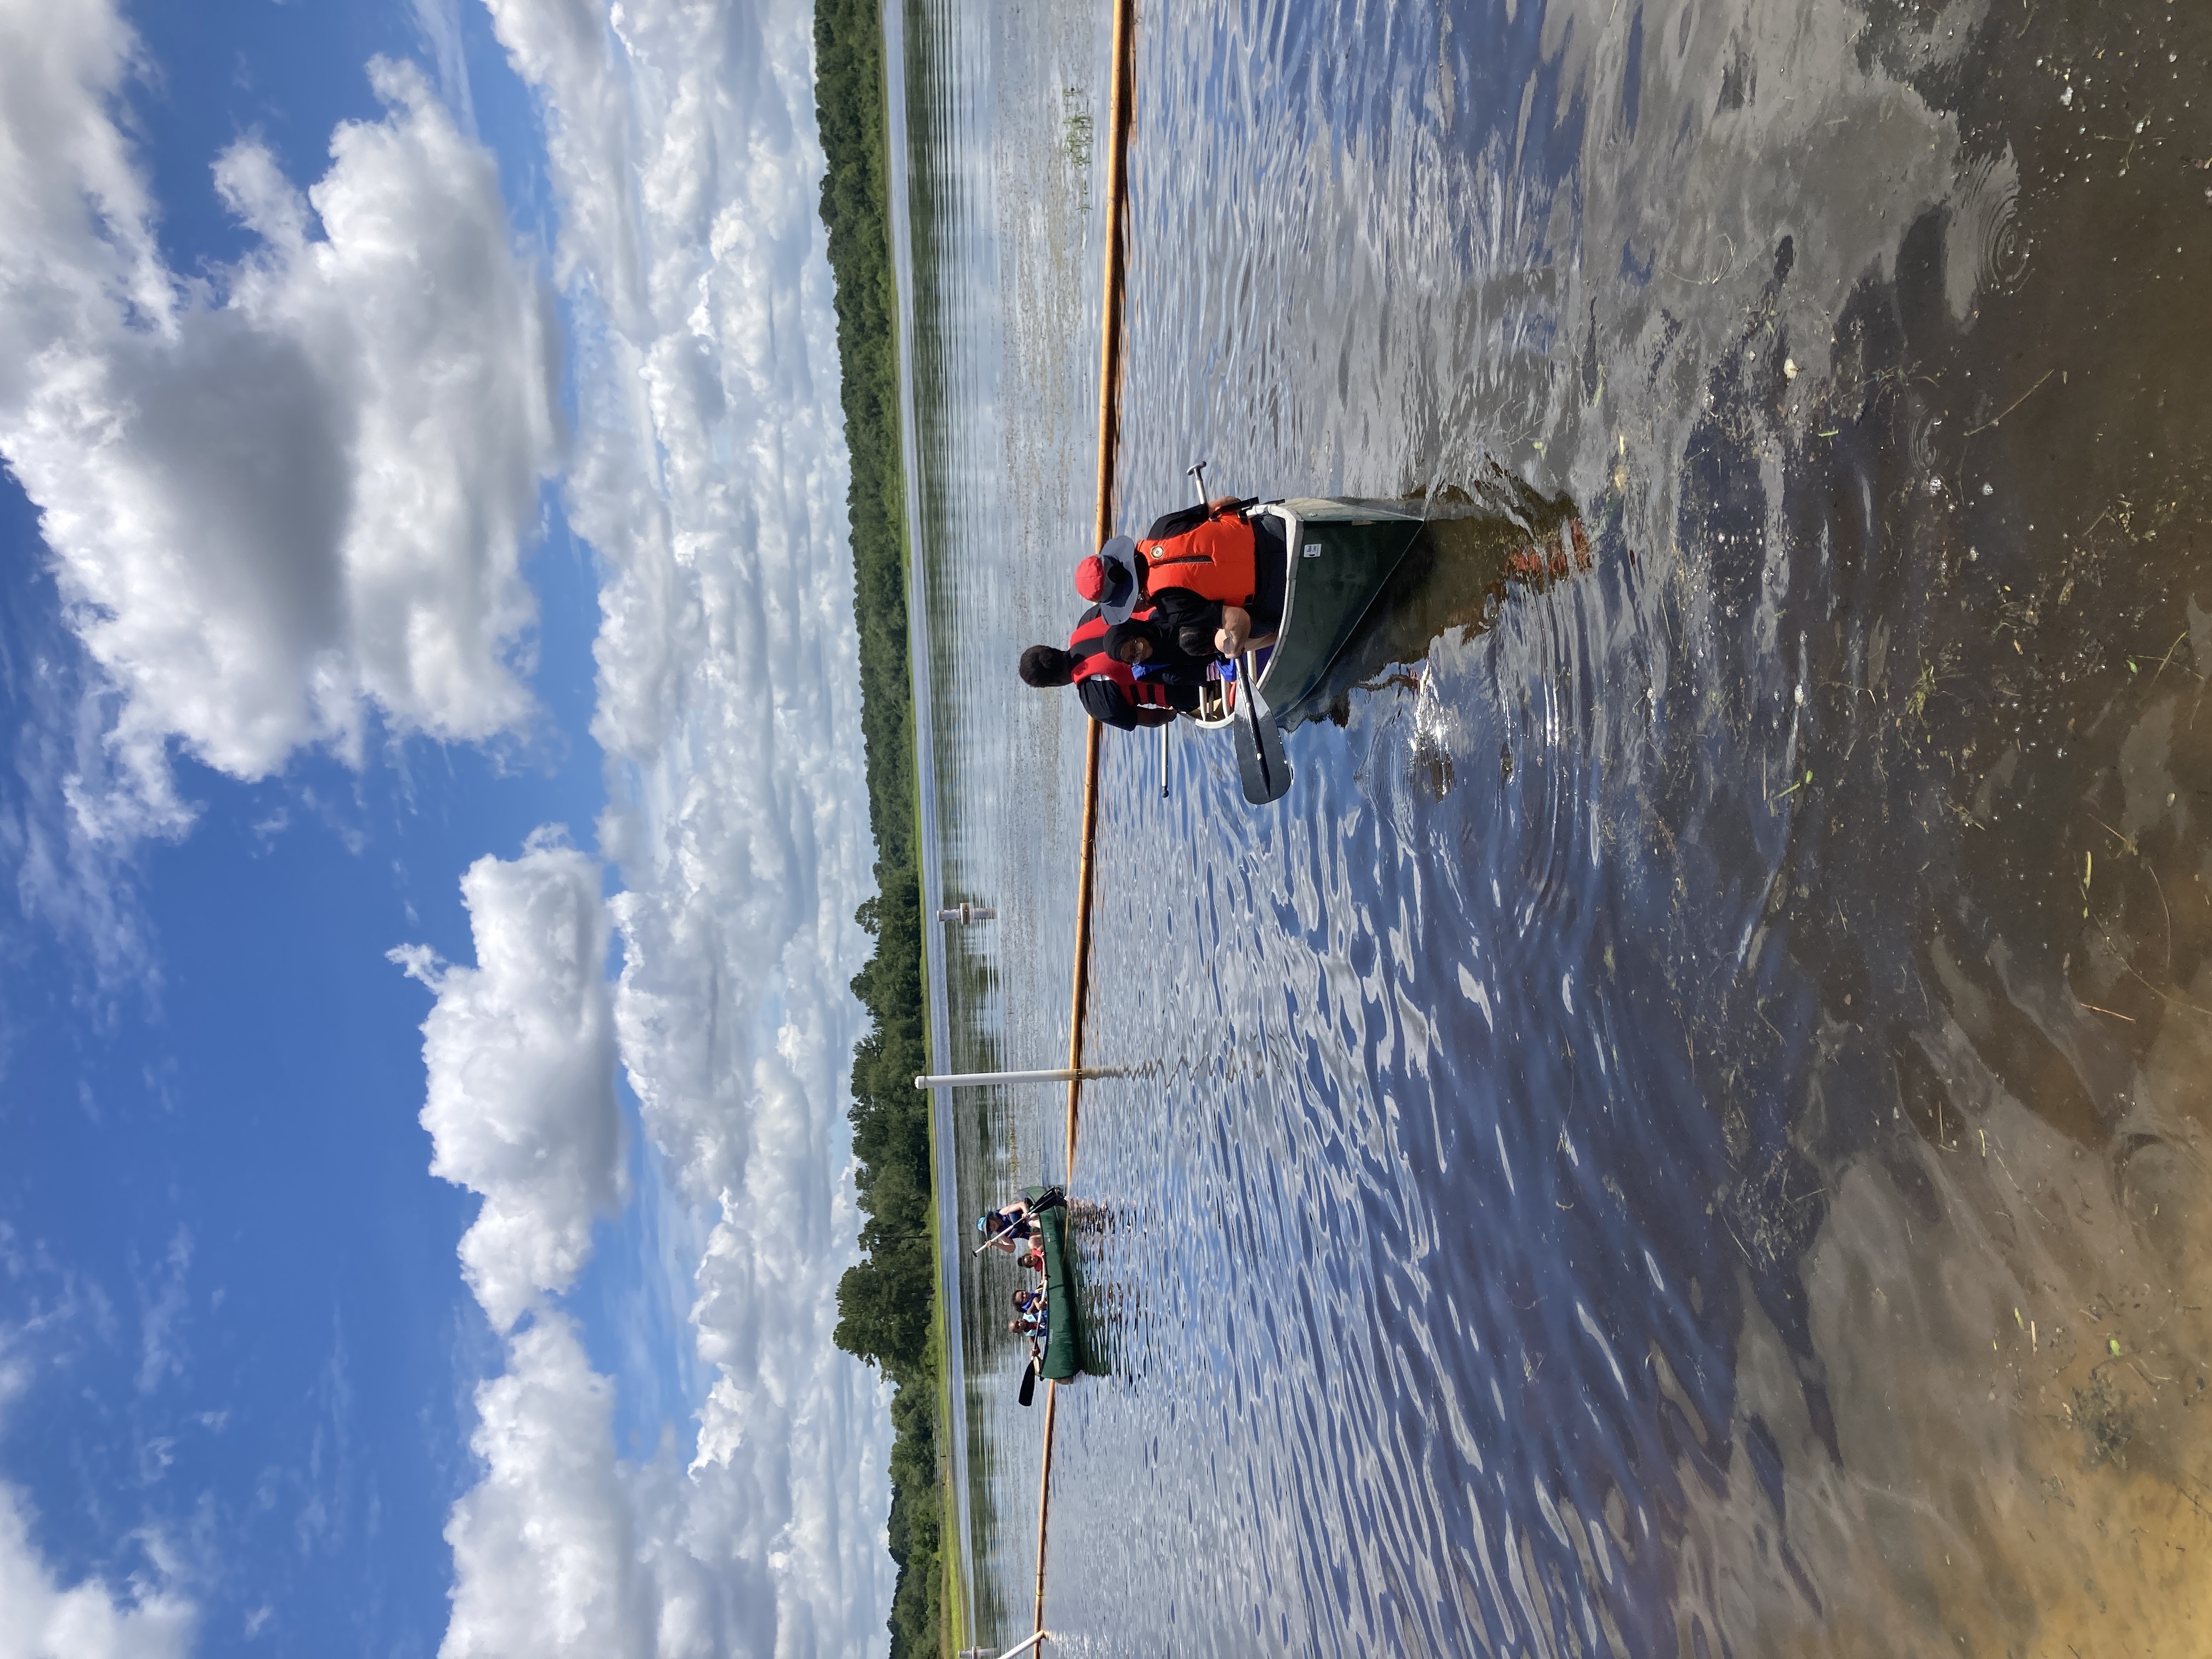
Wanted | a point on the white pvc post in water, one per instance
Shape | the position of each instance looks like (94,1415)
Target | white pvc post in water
(984,1079)
(1042,1636)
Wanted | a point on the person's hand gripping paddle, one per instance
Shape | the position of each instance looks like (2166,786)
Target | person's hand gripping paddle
(1261,766)
(1052,1198)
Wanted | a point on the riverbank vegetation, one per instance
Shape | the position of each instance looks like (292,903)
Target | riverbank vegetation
(886,1300)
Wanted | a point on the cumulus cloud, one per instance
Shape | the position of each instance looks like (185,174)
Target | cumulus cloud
(563,1547)
(708,475)
(148,1618)
(297,491)
(520,1054)
(544,1553)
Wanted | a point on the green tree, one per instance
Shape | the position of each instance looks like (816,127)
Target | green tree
(884,1300)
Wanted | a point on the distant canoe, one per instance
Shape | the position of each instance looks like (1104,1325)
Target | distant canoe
(1066,1354)
(1342,554)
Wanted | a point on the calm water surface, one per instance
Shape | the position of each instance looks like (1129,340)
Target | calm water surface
(1685,1133)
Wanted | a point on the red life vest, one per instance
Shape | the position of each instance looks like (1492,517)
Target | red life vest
(1087,644)
(1216,560)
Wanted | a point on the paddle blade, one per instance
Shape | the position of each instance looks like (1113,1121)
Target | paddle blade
(1028,1382)
(1261,766)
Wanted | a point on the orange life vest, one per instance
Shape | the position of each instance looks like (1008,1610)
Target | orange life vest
(1216,560)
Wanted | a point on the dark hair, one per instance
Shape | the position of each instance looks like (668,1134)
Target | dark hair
(1046,666)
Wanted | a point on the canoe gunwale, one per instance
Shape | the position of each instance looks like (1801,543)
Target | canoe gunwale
(1299,516)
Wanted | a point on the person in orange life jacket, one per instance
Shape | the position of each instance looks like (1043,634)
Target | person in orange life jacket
(1110,691)
(1214,577)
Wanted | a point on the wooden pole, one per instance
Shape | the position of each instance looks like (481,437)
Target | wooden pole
(1118,122)
(1082,938)
(1044,1496)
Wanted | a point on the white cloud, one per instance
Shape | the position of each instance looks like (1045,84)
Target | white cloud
(152,1615)
(544,1554)
(520,1054)
(709,476)
(296,491)
(564,1548)
(161,1350)
(41,1618)
(60,833)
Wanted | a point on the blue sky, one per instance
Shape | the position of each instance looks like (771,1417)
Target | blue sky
(476,514)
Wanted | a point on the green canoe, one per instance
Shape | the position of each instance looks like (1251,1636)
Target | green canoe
(1342,554)
(1066,1352)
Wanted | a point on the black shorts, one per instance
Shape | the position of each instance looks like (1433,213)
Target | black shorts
(1270,569)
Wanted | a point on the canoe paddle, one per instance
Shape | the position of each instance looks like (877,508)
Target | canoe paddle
(1028,1382)
(1053,1198)
(1196,473)
(1261,766)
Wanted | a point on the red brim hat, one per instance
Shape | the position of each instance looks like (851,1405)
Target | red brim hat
(1121,590)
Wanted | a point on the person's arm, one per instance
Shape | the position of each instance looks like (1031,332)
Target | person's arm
(1148,704)
(1234,634)
(1102,701)
(1175,523)
(1189,518)
(1191,619)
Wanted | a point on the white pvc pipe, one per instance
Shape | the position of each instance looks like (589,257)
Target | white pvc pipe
(1042,1636)
(980,1079)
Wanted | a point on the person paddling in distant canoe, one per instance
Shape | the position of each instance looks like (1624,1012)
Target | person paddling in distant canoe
(1011,1225)
(1030,1318)
(1007,1229)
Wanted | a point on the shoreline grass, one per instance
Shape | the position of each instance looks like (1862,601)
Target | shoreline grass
(888,1311)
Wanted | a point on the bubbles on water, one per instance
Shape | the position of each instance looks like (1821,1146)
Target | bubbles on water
(1429,746)
(1923,439)
(1988,248)
(2005,250)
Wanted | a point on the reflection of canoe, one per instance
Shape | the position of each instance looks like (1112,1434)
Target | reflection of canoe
(1341,553)
(1065,1352)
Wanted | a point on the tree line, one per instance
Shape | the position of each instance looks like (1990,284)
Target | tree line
(885,1301)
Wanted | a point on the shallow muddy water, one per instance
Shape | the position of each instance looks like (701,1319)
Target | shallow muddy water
(1685,1133)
